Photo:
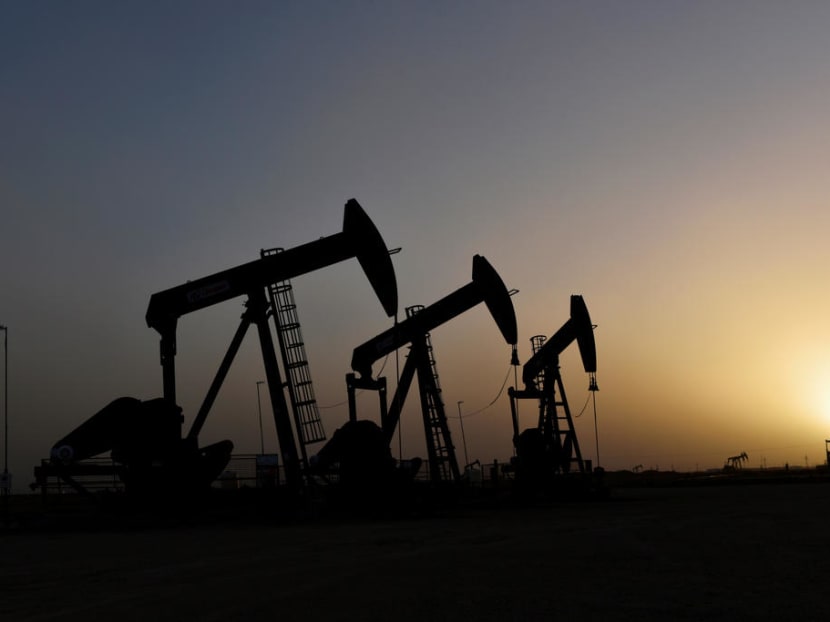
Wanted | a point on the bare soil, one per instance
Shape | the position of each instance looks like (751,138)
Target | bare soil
(748,552)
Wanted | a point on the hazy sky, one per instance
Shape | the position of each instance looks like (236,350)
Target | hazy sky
(663,159)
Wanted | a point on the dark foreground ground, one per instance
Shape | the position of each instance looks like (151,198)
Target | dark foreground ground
(759,552)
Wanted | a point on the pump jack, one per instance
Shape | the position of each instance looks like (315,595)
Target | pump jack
(735,463)
(486,286)
(159,422)
(551,448)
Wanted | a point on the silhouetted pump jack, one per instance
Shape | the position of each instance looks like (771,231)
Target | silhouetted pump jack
(487,287)
(158,423)
(551,448)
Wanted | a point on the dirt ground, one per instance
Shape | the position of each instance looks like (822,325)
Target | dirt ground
(759,552)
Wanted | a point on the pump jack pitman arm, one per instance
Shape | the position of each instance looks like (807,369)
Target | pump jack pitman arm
(577,328)
(486,287)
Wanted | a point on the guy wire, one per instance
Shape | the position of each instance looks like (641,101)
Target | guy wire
(475,412)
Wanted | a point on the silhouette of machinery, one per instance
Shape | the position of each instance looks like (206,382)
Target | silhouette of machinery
(735,463)
(146,437)
(551,449)
(357,440)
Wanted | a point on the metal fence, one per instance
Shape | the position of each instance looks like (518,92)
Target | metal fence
(92,475)
(242,471)
(251,471)
(264,471)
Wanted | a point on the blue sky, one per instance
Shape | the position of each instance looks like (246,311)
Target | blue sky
(663,159)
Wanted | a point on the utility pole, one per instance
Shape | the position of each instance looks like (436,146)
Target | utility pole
(7,480)
(5,330)
(259,407)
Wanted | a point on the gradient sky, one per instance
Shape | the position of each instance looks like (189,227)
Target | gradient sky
(664,159)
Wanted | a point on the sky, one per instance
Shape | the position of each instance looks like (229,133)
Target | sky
(663,159)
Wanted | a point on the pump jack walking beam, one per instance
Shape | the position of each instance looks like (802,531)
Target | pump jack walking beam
(578,328)
(486,286)
(359,239)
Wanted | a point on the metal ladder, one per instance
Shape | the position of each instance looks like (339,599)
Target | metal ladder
(442,462)
(295,362)
(555,415)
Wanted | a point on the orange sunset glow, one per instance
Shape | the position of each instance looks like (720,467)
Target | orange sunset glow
(666,161)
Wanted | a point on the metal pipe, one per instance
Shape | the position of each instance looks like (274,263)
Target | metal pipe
(463,438)
(259,407)
(5,330)
(7,488)
(221,374)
